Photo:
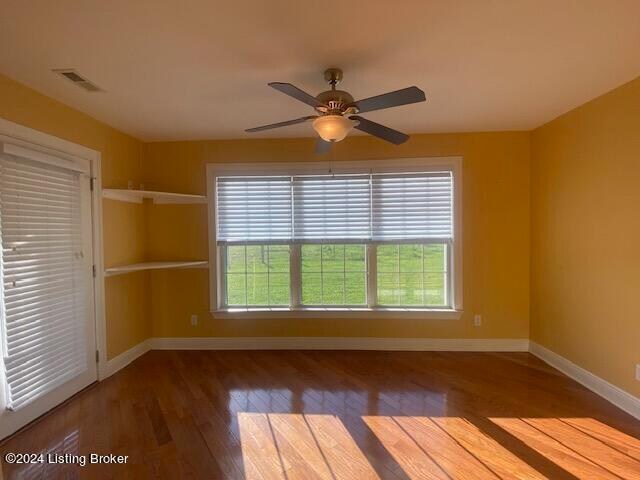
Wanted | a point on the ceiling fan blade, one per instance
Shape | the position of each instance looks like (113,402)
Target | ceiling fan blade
(322,147)
(388,100)
(296,93)
(380,131)
(280,124)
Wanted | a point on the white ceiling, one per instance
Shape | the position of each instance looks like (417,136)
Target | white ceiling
(198,69)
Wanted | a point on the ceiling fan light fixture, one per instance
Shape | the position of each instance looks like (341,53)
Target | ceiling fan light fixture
(332,128)
(339,113)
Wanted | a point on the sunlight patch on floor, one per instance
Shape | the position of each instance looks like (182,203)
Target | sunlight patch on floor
(573,445)
(296,446)
(446,447)
(617,440)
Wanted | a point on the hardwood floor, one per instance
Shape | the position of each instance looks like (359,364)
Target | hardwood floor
(336,415)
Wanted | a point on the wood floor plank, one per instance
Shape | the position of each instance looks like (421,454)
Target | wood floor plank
(494,456)
(260,453)
(450,455)
(592,449)
(413,459)
(341,453)
(335,415)
(299,451)
(609,436)
(574,460)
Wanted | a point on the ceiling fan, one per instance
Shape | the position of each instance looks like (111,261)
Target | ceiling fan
(337,112)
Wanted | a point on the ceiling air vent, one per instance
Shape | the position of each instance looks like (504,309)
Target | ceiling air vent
(77,79)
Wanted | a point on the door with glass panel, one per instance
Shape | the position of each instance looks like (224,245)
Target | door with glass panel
(47,324)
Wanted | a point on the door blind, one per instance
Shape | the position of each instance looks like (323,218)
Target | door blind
(412,206)
(44,297)
(332,207)
(253,209)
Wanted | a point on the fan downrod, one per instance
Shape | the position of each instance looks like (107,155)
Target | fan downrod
(334,100)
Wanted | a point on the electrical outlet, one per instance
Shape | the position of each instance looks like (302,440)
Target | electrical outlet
(194,320)
(477,320)
(130,184)
(638,371)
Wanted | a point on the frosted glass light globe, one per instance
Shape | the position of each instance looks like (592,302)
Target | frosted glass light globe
(332,128)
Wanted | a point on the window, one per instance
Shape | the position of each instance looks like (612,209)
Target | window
(257,275)
(334,275)
(413,275)
(375,236)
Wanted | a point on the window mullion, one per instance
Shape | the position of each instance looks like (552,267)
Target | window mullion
(448,284)
(399,296)
(321,274)
(344,274)
(246,278)
(268,247)
(222,277)
(423,286)
(372,275)
(295,275)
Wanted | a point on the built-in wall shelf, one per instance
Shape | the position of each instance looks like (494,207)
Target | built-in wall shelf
(136,267)
(136,196)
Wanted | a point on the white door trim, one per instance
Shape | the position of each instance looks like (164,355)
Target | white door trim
(27,137)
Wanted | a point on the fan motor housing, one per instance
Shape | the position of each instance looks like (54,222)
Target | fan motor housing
(335,99)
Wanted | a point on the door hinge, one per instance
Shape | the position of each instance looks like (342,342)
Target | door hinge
(93,270)
(91,183)
(97,356)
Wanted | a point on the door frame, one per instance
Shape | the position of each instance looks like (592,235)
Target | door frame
(36,140)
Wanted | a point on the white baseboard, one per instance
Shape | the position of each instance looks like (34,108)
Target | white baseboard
(608,391)
(316,343)
(613,394)
(125,358)
(342,343)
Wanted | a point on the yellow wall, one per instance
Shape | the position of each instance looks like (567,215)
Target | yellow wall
(495,235)
(496,222)
(128,321)
(585,236)
(563,198)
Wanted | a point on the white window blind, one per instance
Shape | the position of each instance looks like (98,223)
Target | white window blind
(332,207)
(253,209)
(412,206)
(377,207)
(43,306)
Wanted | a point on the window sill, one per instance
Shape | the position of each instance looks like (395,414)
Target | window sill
(328,312)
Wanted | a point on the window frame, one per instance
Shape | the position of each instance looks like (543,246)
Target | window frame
(296,309)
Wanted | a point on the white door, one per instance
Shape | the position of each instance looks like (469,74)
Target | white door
(47,325)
